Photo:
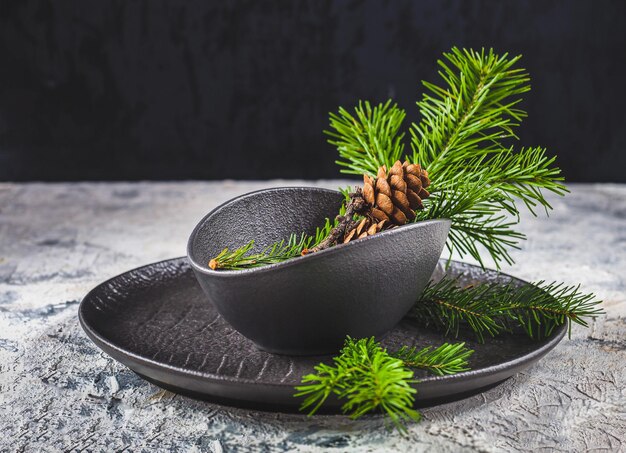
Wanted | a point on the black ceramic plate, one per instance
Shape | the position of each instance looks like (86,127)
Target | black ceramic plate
(156,320)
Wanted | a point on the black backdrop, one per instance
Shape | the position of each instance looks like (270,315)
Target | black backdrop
(150,89)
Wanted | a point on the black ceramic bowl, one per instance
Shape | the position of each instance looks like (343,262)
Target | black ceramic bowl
(307,305)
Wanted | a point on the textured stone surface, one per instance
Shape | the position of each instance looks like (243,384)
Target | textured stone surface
(59,392)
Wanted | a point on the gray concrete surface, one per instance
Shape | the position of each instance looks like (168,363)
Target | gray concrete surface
(58,392)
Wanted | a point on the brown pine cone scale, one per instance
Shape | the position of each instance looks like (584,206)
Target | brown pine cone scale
(365,227)
(395,194)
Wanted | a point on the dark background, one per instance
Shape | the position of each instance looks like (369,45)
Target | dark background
(110,90)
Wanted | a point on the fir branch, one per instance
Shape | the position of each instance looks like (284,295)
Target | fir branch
(243,258)
(475,210)
(448,307)
(474,110)
(369,378)
(480,199)
(368,138)
(512,174)
(539,308)
(460,140)
(446,359)
(491,309)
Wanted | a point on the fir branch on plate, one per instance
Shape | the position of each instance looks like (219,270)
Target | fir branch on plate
(539,315)
(446,359)
(491,309)
(369,378)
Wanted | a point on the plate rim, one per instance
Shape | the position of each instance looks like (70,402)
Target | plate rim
(106,345)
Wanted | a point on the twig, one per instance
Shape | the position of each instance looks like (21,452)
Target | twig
(356,205)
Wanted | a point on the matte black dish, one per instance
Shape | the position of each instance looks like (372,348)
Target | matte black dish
(307,305)
(155,320)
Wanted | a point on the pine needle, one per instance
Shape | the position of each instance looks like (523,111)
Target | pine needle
(491,309)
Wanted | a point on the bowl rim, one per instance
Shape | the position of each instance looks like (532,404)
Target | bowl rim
(227,273)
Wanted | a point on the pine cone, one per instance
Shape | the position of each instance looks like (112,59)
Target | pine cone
(366,227)
(395,195)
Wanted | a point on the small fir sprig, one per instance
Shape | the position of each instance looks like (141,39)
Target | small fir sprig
(369,378)
(491,309)
(244,258)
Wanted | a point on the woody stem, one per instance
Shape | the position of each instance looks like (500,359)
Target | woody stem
(356,205)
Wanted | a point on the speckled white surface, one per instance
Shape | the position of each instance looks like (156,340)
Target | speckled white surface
(59,392)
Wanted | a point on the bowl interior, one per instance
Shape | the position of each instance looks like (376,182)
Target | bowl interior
(266,216)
